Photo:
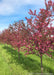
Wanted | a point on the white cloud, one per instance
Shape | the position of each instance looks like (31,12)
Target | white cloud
(3,26)
(5,9)
(8,7)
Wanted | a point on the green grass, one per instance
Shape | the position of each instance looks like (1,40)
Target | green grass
(10,65)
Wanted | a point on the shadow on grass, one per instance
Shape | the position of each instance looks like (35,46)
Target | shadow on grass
(26,62)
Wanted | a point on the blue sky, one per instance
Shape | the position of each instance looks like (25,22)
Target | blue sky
(14,10)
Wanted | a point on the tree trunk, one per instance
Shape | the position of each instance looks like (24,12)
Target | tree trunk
(18,55)
(41,66)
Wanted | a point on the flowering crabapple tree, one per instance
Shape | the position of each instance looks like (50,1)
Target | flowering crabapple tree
(37,35)
(40,27)
(18,35)
(15,35)
(4,38)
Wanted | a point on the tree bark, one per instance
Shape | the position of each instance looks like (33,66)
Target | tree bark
(41,66)
(18,55)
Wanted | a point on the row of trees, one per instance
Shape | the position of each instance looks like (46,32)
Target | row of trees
(37,35)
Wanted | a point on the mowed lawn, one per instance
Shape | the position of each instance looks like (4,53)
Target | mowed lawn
(30,65)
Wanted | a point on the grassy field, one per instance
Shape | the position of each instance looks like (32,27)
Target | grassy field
(10,65)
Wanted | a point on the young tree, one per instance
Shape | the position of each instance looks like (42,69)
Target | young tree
(40,26)
(37,35)
(18,35)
